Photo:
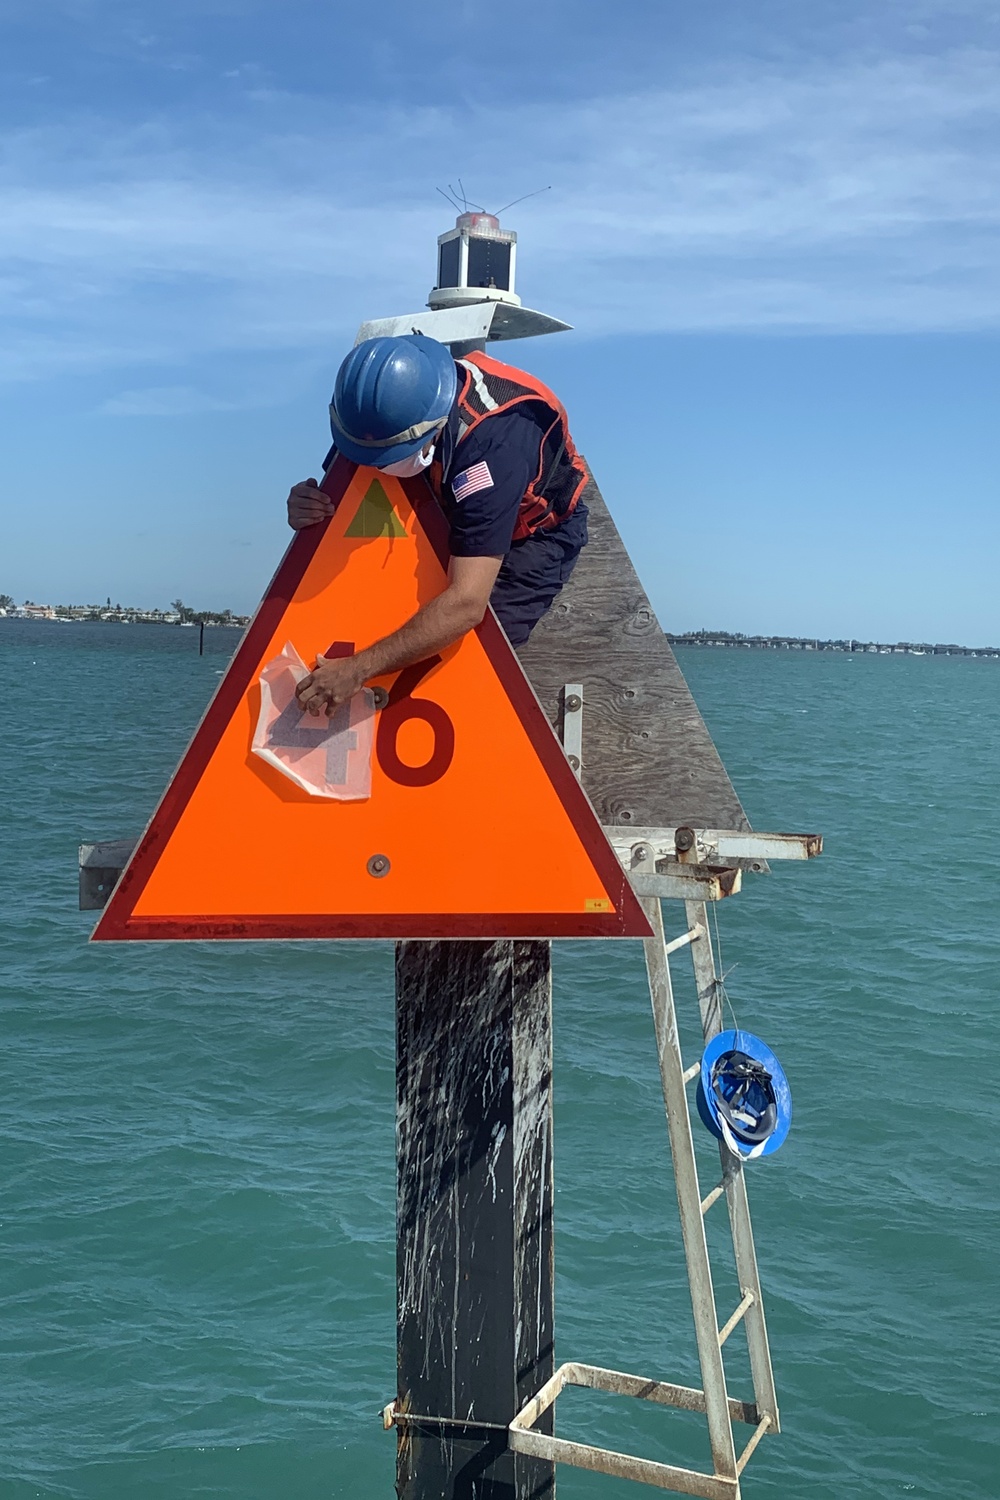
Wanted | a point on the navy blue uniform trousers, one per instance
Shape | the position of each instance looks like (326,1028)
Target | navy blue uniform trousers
(534,571)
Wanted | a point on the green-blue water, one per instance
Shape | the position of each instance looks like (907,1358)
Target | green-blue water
(196,1180)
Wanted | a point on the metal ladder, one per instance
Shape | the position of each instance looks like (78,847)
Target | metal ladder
(693,1207)
(655,860)
(713,1399)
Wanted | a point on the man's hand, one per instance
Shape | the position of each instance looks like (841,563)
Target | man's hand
(332,683)
(436,625)
(307,505)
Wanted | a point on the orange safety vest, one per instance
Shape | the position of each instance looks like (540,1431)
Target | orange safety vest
(487,388)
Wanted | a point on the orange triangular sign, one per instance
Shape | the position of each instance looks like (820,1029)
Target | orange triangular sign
(469,823)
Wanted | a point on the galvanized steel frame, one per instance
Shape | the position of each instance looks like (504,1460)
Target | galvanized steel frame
(523,1438)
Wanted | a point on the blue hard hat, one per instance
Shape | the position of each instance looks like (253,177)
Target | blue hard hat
(391,395)
(743,1094)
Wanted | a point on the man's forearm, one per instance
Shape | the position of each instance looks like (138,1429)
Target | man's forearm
(438,624)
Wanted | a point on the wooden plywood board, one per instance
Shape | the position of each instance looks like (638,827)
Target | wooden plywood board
(648,758)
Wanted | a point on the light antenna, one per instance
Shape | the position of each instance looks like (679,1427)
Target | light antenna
(448,198)
(468,202)
(522,200)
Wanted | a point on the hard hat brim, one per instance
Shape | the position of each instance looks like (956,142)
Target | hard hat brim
(377,458)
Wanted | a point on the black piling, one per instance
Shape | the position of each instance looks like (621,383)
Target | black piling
(474,1214)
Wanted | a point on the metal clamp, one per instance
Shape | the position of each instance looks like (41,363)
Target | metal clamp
(572,724)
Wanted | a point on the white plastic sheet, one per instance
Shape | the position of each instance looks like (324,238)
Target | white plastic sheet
(325,756)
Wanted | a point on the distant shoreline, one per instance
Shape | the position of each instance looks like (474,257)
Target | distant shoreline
(127,617)
(848,645)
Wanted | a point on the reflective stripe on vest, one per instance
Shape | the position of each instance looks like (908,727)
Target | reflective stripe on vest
(479,383)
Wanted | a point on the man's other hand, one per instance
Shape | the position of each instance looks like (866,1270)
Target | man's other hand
(307,505)
(332,683)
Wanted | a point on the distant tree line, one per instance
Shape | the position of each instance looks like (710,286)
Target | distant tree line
(814,643)
(189,616)
(179,612)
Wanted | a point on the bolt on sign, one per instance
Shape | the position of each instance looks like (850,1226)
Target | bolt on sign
(437,804)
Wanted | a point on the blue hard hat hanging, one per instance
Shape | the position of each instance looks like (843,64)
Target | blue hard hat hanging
(743,1094)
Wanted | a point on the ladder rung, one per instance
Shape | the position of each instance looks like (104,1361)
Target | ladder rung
(685,938)
(692,1072)
(712,1197)
(745,1305)
(762,1427)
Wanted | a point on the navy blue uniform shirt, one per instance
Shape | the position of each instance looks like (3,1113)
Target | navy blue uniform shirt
(492,469)
(501,456)
(483,515)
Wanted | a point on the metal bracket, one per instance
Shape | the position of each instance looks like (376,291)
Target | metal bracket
(524,1439)
(659,860)
(572,724)
(466,323)
(100,867)
(704,846)
(676,882)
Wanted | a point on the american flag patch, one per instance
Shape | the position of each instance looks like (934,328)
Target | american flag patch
(476,478)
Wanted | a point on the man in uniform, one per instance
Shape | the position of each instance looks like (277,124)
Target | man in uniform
(496,447)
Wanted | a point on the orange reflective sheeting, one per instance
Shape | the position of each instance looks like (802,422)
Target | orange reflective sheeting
(476,826)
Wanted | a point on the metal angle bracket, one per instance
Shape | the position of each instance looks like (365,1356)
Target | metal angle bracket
(675,882)
(466,323)
(652,875)
(703,846)
(661,861)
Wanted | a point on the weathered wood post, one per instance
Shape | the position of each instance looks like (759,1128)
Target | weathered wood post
(474,1214)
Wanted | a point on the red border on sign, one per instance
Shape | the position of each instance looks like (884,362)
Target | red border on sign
(117,922)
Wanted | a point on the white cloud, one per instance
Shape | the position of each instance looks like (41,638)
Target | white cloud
(849,197)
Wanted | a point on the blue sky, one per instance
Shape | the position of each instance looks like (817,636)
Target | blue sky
(773,226)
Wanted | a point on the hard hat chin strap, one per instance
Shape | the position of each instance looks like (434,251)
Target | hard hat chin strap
(734,1145)
(418,430)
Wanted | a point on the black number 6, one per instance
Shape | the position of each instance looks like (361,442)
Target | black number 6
(401,708)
